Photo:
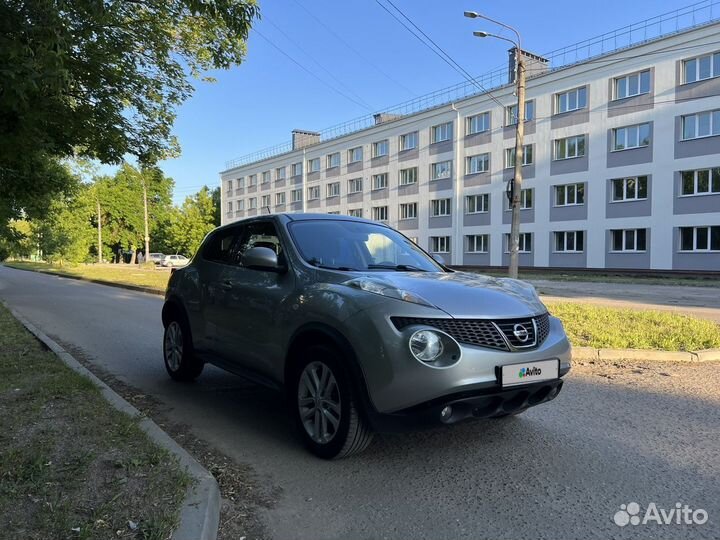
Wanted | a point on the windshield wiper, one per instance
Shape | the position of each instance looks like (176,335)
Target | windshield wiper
(396,267)
(318,264)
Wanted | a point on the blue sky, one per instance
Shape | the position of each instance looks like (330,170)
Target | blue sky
(258,103)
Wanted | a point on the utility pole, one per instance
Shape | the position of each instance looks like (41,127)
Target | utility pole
(147,235)
(517,181)
(99,228)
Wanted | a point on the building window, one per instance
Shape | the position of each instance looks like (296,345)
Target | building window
(439,207)
(297,169)
(633,188)
(240,183)
(355,212)
(296,195)
(355,185)
(569,241)
(526,199)
(266,177)
(440,170)
(355,154)
(570,147)
(380,148)
(314,165)
(628,137)
(477,164)
(252,203)
(313,193)
(510,156)
(704,124)
(408,210)
(477,243)
(624,240)
(408,176)
(380,213)
(280,173)
(265,201)
(572,100)
(334,213)
(478,123)
(632,85)
(477,204)
(511,117)
(280,199)
(441,132)
(333,160)
(333,189)
(524,242)
(229,187)
(440,244)
(700,238)
(252,180)
(701,67)
(700,182)
(570,195)
(409,141)
(229,207)
(240,205)
(379,181)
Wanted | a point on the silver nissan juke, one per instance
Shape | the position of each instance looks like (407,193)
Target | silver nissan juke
(360,328)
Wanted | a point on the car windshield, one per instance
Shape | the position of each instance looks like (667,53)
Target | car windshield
(356,245)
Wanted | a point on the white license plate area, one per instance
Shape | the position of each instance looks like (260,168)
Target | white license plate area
(529,372)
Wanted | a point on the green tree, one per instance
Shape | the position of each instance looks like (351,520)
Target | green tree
(189,224)
(102,80)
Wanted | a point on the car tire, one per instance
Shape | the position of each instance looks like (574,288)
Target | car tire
(331,426)
(180,360)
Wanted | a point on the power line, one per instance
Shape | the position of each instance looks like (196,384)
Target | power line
(353,49)
(435,48)
(332,76)
(306,70)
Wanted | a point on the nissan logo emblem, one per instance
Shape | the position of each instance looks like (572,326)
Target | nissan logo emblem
(521,333)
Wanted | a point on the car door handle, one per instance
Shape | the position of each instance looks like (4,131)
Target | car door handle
(227,285)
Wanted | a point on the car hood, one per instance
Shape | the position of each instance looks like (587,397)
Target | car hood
(466,295)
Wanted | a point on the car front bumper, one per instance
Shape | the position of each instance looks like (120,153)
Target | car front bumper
(397,382)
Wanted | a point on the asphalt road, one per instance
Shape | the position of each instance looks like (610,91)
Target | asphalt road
(617,434)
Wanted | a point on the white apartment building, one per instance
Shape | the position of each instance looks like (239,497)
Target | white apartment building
(622,165)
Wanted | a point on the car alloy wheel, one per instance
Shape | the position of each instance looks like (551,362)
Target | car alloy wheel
(174,346)
(319,402)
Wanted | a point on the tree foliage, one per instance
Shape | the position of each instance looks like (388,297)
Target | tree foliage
(100,79)
(189,224)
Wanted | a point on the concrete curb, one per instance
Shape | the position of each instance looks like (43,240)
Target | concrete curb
(589,353)
(200,511)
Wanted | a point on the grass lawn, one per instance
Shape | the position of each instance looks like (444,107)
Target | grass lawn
(71,466)
(110,273)
(615,328)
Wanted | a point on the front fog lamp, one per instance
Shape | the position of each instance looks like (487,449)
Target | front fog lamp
(426,345)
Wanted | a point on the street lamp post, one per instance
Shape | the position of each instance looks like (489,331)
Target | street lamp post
(519,134)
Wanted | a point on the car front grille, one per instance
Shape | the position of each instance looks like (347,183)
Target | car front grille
(500,334)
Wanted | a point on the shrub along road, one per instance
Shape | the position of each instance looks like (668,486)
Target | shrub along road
(639,432)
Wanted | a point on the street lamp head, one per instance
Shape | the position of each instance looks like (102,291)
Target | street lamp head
(480,33)
(471,14)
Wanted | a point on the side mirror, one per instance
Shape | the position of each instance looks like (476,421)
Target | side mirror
(261,258)
(438,259)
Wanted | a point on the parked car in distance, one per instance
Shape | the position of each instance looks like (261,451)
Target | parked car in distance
(174,261)
(362,329)
(156,258)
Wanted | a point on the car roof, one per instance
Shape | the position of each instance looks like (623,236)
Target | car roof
(289,217)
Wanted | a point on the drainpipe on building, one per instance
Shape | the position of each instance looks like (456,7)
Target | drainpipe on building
(457,241)
(304,183)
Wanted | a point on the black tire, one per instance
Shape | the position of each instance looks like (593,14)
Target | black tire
(352,434)
(184,366)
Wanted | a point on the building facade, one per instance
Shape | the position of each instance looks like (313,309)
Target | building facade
(621,168)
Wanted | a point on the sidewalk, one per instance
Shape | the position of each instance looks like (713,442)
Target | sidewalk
(703,302)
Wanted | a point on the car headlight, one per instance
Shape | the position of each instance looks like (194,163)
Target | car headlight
(382,288)
(426,345)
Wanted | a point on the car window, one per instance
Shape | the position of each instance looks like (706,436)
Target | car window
(219,247)
(259,234)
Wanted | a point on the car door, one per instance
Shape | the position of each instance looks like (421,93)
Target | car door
(254,302)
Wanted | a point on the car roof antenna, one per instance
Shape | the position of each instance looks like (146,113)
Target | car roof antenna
(268,209)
